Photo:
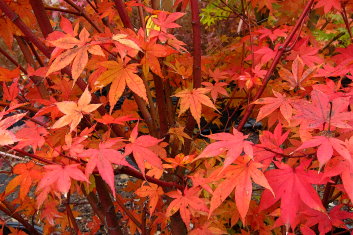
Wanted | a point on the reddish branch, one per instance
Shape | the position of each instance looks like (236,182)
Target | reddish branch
(136,174)
(196,73)
(276,60)
(196,37)
(84,15)
(12,60)
(110,217)
(23,27)
(120,6)
(63,10)
(39,12)
(120,202)
(11,211)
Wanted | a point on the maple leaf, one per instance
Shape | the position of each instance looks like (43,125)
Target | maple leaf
(120,74)
(7,137)
(61,176)
(32,134)
(296,79)
(328,5)
(153,192)
(218,75)
(102,158)
(271,104)
(272,34)
(74,111)
(234,144)
(76,52)
(272,142)
(140,147)
(50,212)
(166,20)
(326,146)
(152,52)
(193,99)
(263,3)
(326,221)
(239,177)
(179,133)
(185,202)
(293,185)
(215,89)
(263,55)
(27,174)
(108,119)
(7,75)
(121,38)
(308,54)
(339,166)
(323,111)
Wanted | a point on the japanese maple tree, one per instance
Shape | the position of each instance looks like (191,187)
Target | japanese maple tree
(176,117)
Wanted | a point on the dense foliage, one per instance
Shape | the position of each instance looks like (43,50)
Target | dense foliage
(224,116)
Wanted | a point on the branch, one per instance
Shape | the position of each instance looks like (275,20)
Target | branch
(196,66)
(63,10)
(83,13)
(120,202)
(12,60)
(110,218)
(120,6)
(10,211)
(136,174)
(345,19)
(25,30)
(278,56)
(70,215)
(41,16)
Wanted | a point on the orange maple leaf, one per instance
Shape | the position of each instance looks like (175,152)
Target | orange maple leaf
(152,191)
(74,111)
(120,74)
(272,103)
(193,99)
(76,52)
(27,174)
(238,177)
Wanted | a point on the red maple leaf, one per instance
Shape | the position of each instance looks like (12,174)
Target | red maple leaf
(32,134)
(326,146)
(293,185)
(102,158)
(328,5)
(185,202)
(270,144)
(166,20)
(140,147)
(326,221)
(60,176)
(234,144)
(323,111)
